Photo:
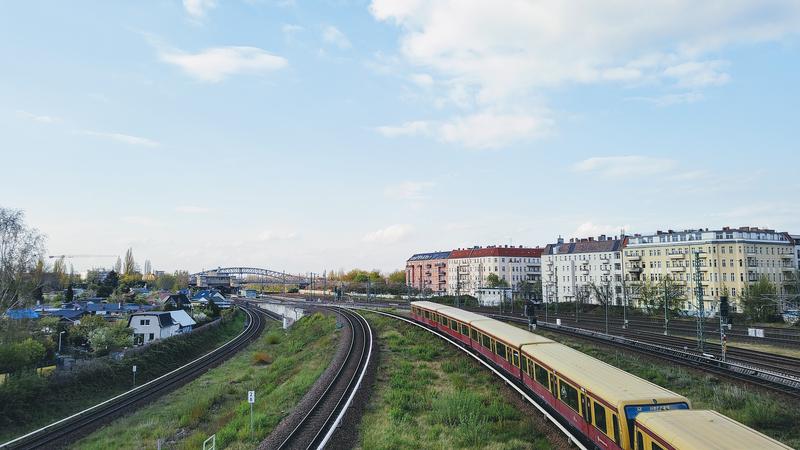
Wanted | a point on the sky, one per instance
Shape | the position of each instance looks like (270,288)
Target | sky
(317,135)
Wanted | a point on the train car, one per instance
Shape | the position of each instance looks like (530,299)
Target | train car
(501,343)
(698,430)
(460,324)
(598,399)
(426,312)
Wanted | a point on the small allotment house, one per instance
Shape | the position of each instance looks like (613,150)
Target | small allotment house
(151,326)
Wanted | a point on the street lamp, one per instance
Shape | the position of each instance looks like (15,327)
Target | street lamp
(59,341)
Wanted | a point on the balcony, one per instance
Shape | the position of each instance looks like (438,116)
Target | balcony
(677,269)
(633,258)
(787,268)
(788,256)
(676,255)
(636,269)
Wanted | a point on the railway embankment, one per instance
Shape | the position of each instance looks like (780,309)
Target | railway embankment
(280,366)
(26,403)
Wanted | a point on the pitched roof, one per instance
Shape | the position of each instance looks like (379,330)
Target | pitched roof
(585,246)
(164,318)
(429,256)
(478,252)
(182,318)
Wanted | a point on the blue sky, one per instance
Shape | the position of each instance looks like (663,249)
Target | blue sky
(305,136)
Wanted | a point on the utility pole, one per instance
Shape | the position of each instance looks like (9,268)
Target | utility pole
(666,299)
(698,292)
(624,291)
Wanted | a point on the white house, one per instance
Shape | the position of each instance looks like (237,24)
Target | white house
(469,269)
(151,326)
(583,268)
(488,296)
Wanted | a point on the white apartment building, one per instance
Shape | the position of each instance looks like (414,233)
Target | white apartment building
(468,269)
(585,269)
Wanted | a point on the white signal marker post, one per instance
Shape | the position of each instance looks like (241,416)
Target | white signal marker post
(251,398)
(134,376)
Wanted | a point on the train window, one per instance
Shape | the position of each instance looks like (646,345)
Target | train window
(654,446)
(639,441)
(474,334)
(464,330)
(485,341)
(541,375)
(501,350)
(616,427)
(453,325)
(524,364)
(600,417)
(568,395)
(516,358)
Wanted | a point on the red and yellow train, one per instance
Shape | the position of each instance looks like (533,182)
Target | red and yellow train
(608,407)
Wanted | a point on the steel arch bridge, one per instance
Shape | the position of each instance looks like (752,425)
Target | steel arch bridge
(254,275)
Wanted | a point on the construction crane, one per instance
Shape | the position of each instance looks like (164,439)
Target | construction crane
(81,256)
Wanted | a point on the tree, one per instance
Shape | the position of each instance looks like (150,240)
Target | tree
(70,295)
(603,293)
(759,300)
(148,268)
(110,338)
(181,280)
(650,295)
(397,277)
(118,265)
(108,285)
(129,266)
(165,282)
(20,355)
(493,281)
(21,248)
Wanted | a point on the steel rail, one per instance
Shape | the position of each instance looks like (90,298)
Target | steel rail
(579,443)
(62,429)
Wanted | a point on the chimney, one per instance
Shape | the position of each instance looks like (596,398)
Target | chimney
(591,239)
(602,237)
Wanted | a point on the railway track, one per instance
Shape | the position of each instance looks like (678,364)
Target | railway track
(60,433)
(317,426)
(564,428)
(783,381)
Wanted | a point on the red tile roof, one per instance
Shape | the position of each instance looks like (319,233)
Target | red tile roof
(497,251)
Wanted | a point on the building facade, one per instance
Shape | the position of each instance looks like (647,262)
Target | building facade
(728,260)
(469,269)
(587,270)
(427,272)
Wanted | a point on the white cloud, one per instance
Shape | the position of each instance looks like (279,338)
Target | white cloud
(217,63)
(332,35)
(415,128)
(198,8)
(698,74)
(37,117)
(119,137)
(672,99)
(504,56)
(390,234)
(270,235)
(484,130)
(190,209)
(591,229)
(504,49)
(422,79)
(619,166)
(410,190)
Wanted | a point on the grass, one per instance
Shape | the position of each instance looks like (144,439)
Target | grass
(771,414)
(27,403)
(430,396)
(280,366)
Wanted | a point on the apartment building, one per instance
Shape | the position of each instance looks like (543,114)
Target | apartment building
(796,240)
(468,269)
(729,259)
(428,272)
(589,270)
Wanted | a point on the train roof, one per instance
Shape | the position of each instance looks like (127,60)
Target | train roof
(430,305)
(516,337)
(705,430)
(462,315)
(610,383)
